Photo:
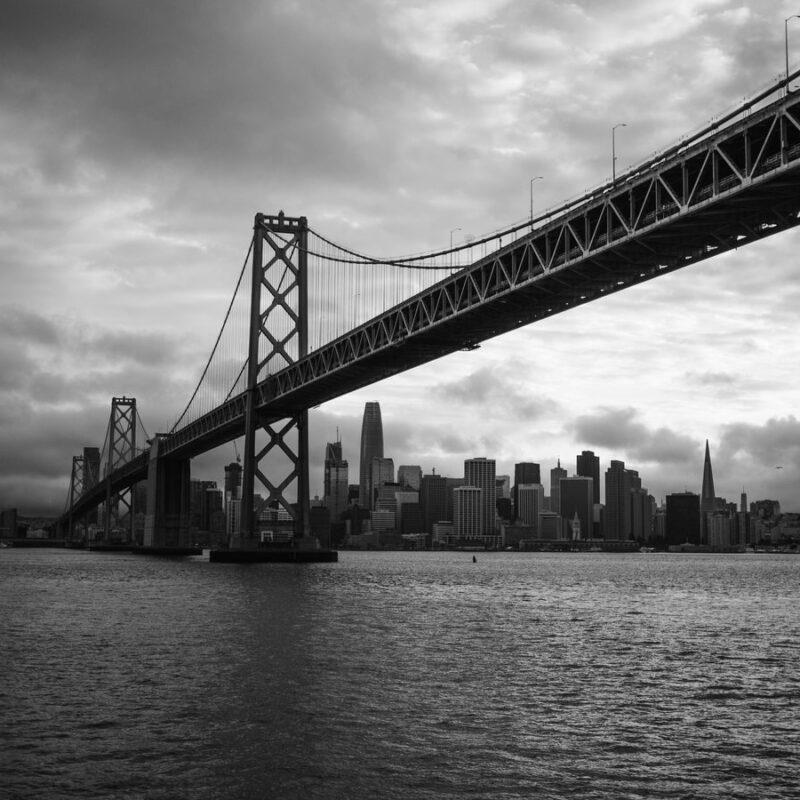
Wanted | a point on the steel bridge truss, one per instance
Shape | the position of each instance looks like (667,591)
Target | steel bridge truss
(728,190)
(278,339)
(120,503)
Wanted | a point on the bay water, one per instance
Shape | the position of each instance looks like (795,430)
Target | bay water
(400,675)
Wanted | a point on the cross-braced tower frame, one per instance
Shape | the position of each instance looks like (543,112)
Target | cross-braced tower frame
(77,485)
(119,506)
(278,338)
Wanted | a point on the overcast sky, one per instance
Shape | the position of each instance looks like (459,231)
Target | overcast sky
(137,140)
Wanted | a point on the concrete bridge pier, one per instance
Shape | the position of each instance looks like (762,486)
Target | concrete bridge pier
(166,525)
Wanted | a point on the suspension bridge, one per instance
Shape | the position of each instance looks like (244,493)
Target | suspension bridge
(311,320)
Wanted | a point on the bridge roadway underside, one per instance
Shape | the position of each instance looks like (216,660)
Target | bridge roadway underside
(751,213)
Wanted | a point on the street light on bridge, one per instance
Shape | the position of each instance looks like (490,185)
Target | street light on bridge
(451,246)
(537,178)
(614,150)
(786,47)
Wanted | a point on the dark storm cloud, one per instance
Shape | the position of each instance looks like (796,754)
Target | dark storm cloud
(618,430)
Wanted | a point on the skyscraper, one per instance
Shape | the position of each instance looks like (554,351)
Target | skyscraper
(531,504)
(371,447)
(433,500)
(556,474)
(683,518)
(526,472)
(707,495)
(480,473)
(588,466)
(336,478)
(618,501)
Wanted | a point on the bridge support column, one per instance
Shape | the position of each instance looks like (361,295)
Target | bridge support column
(167,517)
(278,338)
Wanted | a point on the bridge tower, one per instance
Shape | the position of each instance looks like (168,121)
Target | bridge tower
(278,338)
(121,449)
(77,485)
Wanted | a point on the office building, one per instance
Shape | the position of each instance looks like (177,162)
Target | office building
(451,484)
(91,477)
(683,519)
(433,501)
(526,472)
(468,518)
(588,466)
(336,477)
(556,475)
(618,501)
(410,476)
(233,498)
(575,497)
(480,473)
(371,447)
(531,505)
(381,473)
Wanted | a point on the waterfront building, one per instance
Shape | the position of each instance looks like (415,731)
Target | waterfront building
(683,519)
(575,497)
(480,472)
(588,466)
(371,447)
(442,534)
(336,477)
(550,526)
(468,519)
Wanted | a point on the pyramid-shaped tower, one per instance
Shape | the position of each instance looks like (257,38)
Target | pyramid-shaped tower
(707,494)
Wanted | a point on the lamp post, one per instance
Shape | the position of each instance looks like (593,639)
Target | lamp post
(614,150)
(786,47)
(451,246)
(537,178)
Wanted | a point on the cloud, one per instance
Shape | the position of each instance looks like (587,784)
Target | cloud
(618,429)
(775,443)
(498,387)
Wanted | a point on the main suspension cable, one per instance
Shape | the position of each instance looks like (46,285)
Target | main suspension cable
(219,336)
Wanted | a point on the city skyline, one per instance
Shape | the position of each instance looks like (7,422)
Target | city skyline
(400,134)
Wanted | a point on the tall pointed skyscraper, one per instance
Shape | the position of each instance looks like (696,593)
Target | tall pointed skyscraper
(706,496)
(371,447)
